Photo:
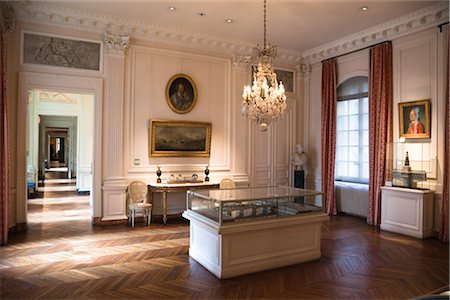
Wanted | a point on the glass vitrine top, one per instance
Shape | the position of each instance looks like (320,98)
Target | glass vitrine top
(248,194)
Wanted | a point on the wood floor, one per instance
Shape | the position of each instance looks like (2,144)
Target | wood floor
(63,256)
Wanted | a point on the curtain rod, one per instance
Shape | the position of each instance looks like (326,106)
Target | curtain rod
(368,47)
(442,25)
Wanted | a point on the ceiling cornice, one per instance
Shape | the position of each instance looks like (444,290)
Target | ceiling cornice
(35,12)
(425,18)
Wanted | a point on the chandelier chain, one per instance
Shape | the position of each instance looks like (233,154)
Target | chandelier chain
(265,23)
(264,102)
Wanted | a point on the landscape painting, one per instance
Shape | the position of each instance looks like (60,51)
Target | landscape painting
(180,138)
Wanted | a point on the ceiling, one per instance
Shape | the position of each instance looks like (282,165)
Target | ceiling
(292,25)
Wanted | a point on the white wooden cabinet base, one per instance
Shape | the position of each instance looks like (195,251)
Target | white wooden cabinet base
(248,247)
(407,211)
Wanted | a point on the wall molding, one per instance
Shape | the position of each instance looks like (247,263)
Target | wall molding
(34,12)
(185,168)
(425,18)
(51,15)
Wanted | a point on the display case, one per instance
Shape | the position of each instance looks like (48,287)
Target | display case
(249,204)
(240,231)
(413,164)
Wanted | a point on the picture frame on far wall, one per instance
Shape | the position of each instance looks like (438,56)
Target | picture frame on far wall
(179,138)
(415,119)
(287,77)
(181,93)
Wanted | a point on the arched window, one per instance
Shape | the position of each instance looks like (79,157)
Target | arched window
(352,130)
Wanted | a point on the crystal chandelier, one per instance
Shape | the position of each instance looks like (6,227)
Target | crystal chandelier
(265,101)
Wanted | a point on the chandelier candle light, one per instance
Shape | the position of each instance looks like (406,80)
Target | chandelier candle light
(265,101)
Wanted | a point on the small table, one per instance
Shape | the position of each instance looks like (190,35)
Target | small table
(165,188)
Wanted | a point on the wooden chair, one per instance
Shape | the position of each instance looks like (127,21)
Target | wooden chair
(227,183)
(138,205)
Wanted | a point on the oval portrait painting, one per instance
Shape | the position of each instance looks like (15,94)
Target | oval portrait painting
(181,93)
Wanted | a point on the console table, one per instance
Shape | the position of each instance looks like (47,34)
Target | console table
(165,188)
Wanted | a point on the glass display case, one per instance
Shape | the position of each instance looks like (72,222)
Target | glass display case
(248,204)
(413,164)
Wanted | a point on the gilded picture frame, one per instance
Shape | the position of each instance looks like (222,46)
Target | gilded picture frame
(179,138)
(181,93)
(415,119)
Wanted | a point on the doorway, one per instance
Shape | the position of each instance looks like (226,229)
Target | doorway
(63,83)
(60,148)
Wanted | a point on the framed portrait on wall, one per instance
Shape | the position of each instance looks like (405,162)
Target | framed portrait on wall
(415,119)
(181,93)
(179,138)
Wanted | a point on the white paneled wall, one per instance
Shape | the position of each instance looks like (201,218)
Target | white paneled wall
(416,77)
(272,151)
(149,71)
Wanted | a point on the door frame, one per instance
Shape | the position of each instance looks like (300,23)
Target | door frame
(63,83)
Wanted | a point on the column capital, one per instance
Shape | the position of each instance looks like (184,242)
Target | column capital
(240,61)
(305,70)
(7,19)
(116,44)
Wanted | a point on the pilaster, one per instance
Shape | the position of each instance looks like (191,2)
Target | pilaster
(114,184)
(304,110)
(240,141)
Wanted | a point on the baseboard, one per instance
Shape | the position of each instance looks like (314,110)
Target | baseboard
(97,221)
(19,227)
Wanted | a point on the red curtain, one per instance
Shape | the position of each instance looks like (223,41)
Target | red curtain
(4,159)
(329,98)
(443,232)
(380,125)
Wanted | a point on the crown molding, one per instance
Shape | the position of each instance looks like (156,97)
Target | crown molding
(425,18)
(35,12)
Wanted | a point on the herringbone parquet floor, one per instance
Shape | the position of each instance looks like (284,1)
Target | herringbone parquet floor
(62,256)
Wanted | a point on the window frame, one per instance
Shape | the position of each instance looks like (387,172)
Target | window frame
(360,96)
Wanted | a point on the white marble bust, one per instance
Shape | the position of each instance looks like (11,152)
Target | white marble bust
(299,157)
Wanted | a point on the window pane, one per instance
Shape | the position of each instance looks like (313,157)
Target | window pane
(352,86)
(365,137)
(353,122)
(353,170)
(365,124)
(353,138)
(353,107)
(342,138)
(365,157)
(342,153)
(353,154)
(342,123)
(365,105)
(342,169)
(342,108)
(365,171)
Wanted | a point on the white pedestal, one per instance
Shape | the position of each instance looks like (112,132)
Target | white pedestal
(407,211)
(247,247)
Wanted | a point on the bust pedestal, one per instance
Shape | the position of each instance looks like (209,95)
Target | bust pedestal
(299,182)
(407,211)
